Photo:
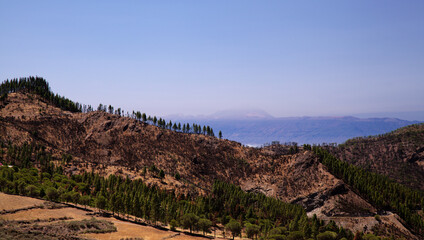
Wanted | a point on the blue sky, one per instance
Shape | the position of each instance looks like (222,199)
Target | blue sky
(289,58)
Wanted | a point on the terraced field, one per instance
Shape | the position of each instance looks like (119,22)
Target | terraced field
(30,218)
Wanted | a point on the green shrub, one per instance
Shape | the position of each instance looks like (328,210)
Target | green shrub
(173,224)
(327,235)
(278,237)
(297,235)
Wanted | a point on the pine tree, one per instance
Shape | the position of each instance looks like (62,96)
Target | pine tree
(234,227)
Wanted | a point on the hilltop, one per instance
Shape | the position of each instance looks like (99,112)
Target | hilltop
(398,154)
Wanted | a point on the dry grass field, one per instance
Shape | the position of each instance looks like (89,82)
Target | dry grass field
(46,213)
(9,202)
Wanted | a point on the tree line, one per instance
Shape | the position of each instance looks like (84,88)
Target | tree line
(159,122)
(40,87)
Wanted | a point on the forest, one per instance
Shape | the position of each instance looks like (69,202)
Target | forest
(381,191)
(227,207)
(39,86)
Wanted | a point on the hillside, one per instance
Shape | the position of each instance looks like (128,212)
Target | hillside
(108,144)
(398,154)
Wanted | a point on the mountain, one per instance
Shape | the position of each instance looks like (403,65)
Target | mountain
(410,116)
(184,164)
(256,127)
(110,144)
(240,114)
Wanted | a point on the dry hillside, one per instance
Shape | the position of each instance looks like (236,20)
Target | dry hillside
(106,143)
(398,155)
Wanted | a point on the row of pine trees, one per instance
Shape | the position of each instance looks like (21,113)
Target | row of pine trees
(381,191)
(162,123)
(40,86)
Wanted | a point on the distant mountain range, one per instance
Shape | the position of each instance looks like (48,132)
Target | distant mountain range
(410,116)
(257,127)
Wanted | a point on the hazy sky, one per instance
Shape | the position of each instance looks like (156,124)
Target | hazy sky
(197,57)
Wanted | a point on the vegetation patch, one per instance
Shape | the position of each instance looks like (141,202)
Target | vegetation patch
(383,192)
(55,230)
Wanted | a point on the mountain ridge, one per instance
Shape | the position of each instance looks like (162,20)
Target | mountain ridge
(106,144)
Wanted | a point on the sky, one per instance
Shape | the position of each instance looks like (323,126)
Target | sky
(288,58)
